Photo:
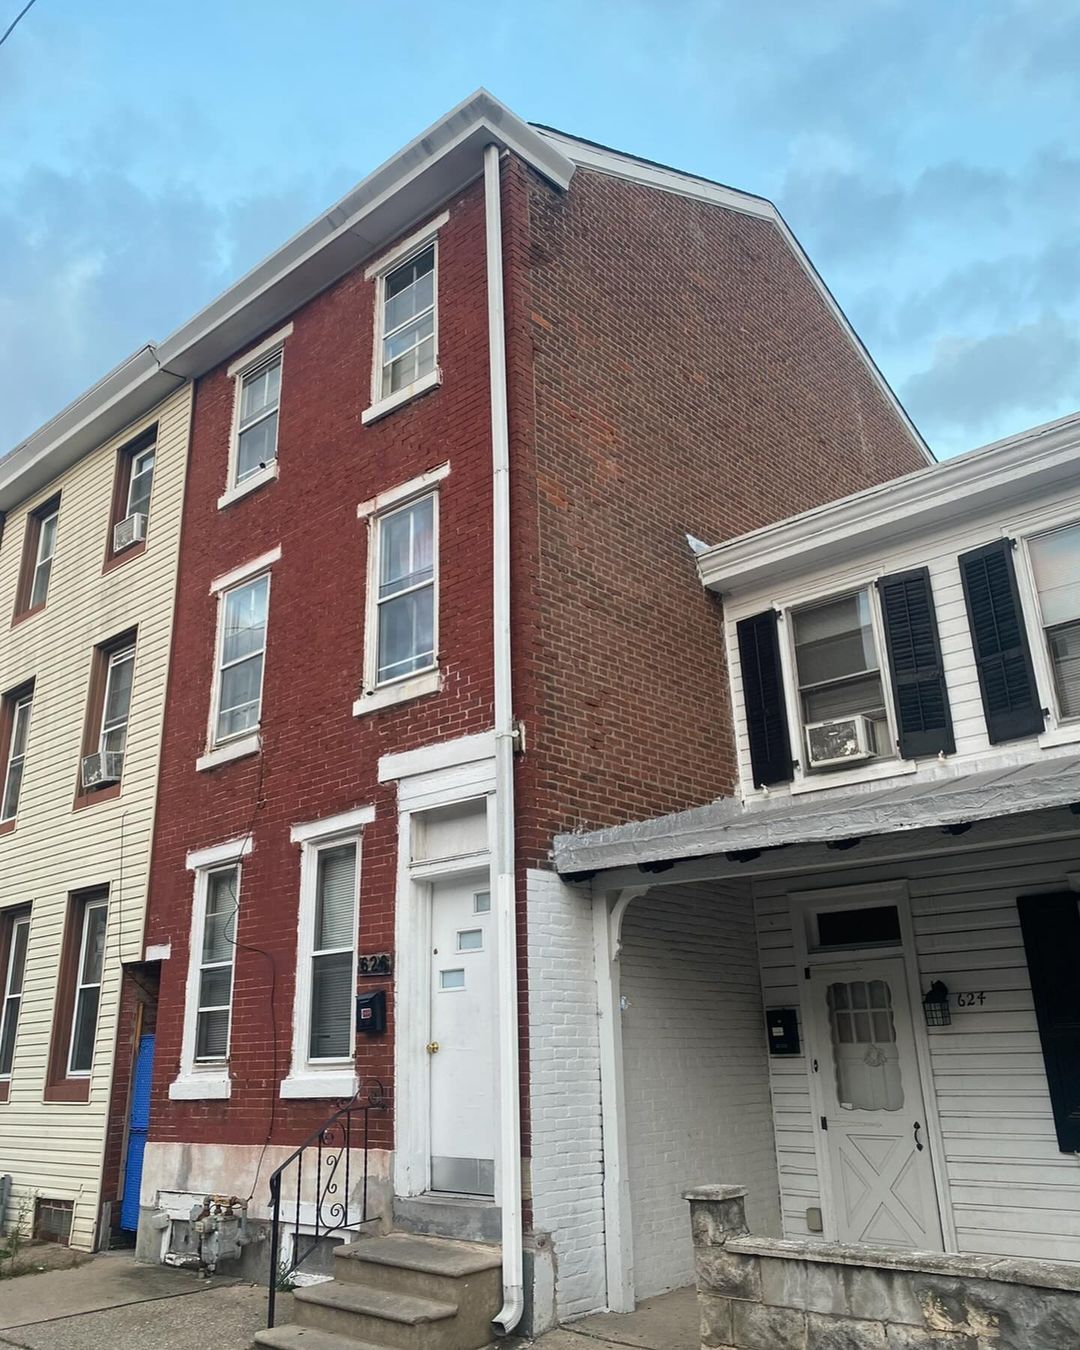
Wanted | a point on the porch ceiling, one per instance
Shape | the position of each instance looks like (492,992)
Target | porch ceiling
(730,827)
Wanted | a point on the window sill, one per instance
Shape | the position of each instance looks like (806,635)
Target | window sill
(114,560)
(387,405)
(255,480)
(7,826)
(94,795)
(5,1090)
(67,1090)
(893,768)
(415,686)
(25,614)
(225,754)
(1066,734)
(325,1083)
(194,1087)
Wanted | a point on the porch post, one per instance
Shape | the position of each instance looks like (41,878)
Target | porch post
(608,911)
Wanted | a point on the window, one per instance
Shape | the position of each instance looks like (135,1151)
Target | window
(107,715)
(14,732)
(52,1220)
(39,548)
(132,490)
(87,989)
(408,323)
(11,972)
(863,927)
(1055,562)
(333,956)
(865,1052)
(837,666)
(114,718)
(142,481)
(257,418)
(241,649)
(405,600)
(217,949)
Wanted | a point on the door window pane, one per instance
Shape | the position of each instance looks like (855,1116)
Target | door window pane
(865,1053)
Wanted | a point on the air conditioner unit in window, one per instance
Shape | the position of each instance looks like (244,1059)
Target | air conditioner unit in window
(130,530)
(841,740)
(102,768)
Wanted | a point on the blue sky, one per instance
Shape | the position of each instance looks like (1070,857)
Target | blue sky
(924,151)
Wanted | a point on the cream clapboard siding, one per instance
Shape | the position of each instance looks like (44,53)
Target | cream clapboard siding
(937,551)
(54,849)
(1012,1192)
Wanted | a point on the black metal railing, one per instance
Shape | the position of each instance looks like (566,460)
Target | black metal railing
(332,1179)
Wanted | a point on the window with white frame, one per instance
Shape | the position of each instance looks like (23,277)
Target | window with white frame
(46,547)
(117,704)
(218,891)
(91,960)
(140,483)
(258,396)
(241,651)
(1055,563)
(17,717)
(838,669)
(330,942)
(403,612)
(407,323)
(18,937)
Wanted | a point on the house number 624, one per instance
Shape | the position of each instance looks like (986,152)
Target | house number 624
(970,1000)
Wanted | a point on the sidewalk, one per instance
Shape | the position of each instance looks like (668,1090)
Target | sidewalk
(667,1322)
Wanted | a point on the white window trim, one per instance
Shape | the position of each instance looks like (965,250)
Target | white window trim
(377,272)
(243,366)
(87,909)
(240,744)
(1059,730)
(399,495)
(374,696)
(146,450)
(210,1079)
(320,1077)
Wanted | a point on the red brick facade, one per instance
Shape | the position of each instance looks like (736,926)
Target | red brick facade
(671,368)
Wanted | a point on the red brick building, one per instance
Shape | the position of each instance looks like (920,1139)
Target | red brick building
(436,603)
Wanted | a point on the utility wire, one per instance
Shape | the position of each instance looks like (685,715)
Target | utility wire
(12,25)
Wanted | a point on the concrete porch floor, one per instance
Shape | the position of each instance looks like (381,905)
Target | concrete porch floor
(666,1322)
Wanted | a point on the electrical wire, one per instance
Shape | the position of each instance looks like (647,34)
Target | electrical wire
(14,23)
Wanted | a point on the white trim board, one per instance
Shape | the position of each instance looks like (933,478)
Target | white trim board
(245,571)
(232,851)
(331,825)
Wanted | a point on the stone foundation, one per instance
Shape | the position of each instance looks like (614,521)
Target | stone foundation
(762,1294)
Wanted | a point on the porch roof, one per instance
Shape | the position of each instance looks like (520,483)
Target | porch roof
(728,826)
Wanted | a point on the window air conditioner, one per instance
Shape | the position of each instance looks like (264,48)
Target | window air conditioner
(130,530)
(841,740)
(102,768)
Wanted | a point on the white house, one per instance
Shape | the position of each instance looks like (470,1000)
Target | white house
(852,986)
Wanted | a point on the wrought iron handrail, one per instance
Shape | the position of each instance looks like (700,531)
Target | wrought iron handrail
(333,1141)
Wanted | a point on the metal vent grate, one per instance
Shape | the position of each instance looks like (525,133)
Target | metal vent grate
(52,1221)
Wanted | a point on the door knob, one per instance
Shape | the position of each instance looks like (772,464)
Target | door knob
(433,1047)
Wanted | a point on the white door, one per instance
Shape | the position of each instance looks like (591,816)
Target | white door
(874,1126)
(461,1051)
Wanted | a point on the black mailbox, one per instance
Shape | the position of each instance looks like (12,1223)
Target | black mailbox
(782,1025)
(371,1013)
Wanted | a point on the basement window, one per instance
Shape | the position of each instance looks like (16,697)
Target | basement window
(52,1221)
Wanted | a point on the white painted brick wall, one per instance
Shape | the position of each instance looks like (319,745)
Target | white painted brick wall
(696,1070)
(564,1086)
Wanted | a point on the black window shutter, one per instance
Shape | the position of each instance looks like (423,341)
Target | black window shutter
(924,722)
(1006,677)
(763,694)
(1051,928)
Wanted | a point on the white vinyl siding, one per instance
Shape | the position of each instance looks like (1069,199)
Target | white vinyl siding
(1013,1192)
(241,649)
(12,993)
(46,547)
(13,775)
(84,1016)
(56,851)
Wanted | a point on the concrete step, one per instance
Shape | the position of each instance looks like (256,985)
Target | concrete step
(466,1217)
(467,1274)
(308,1338)
(382,1317)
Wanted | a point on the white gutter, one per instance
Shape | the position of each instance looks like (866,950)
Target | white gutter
(509,1186)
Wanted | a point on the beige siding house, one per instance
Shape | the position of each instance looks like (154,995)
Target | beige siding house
(87,577)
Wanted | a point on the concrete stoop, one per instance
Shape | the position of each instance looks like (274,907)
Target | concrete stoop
(400,1292)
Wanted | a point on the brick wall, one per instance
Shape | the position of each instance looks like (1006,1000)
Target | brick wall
(687,376)
(317,758)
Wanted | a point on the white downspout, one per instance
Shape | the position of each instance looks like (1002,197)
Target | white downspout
(503,843)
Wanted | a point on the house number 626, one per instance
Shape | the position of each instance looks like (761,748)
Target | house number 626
(970,1000)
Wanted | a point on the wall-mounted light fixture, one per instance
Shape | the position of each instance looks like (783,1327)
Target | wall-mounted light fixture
(936,1005)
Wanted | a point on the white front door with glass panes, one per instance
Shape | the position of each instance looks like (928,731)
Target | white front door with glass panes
(461,1051)
(873,1121)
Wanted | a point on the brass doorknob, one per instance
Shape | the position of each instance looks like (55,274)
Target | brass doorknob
(433,1047)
